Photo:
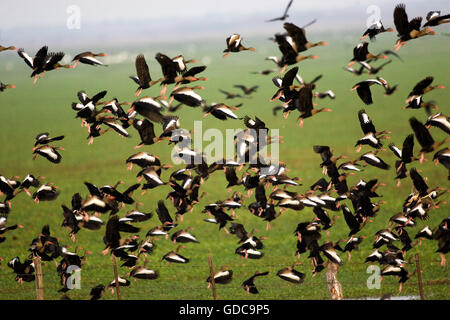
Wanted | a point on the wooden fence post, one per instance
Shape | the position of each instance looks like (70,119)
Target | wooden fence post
(419,277)
(116,275)
(334,286)
(38,278)
(213,283)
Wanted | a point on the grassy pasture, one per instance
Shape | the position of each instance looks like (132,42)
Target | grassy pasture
(30,109)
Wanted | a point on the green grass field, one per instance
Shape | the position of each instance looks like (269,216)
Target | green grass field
(31,109)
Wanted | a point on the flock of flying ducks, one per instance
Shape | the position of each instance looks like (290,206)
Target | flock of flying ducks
(99,117)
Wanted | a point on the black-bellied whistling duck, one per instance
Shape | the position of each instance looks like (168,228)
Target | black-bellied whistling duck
(141,272)
(424,233)
(4,86)
(183,236)
(443,157)
(142,159)
(371,136)
(229,95)
(249,284)
(174,256)
(305,105)
(363,89)
(422,87)
(286,90)
(97,291)
(352,244)
(398,271)
(245,237)
(442,234)
(29,181)
(221,111)
(146,131)
(440,121)
(375,29)
(361,53)
(190,75)
(299,38)
(188,96)
(43,138)
(327,157)
(2,48)
(434,18)
(408,30)
(264,72)
(372,70)
(285,15)
(234,44)
(48,152)
(170,73)
(291,275)
(388,90)
(89,57)
(4,228)
(181,63)
(45,193)
(24,271)
(372,159)
(326,94)
(37,63)
(329,250)
(424,137)
(112,235)
(417,102)
(52,62)
(223,276)
(143,78)
(148,107)
(247,251)
(247,91)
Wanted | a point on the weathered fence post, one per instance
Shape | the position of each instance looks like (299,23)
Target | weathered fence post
(213,283)
(333,284)
(38,278)
(419,277)
(116,275)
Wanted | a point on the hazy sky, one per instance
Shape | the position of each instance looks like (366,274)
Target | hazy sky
(30,22)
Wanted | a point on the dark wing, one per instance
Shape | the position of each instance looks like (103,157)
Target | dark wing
(28,60)
(289,77)
(112,235)
(163,213)
(99,96)
(420,86)
(194,70)
(297,34)
(407,149)
(260,194)
(364,93)
(230,175)
(316,79)
(365,122)
(142,71)
(53,58)
(421,132)
(415,23)
(93,189)
(40,58)
(239,230)
(287,8)
(419,182)
(168,67)
(401,20)
(350,219)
